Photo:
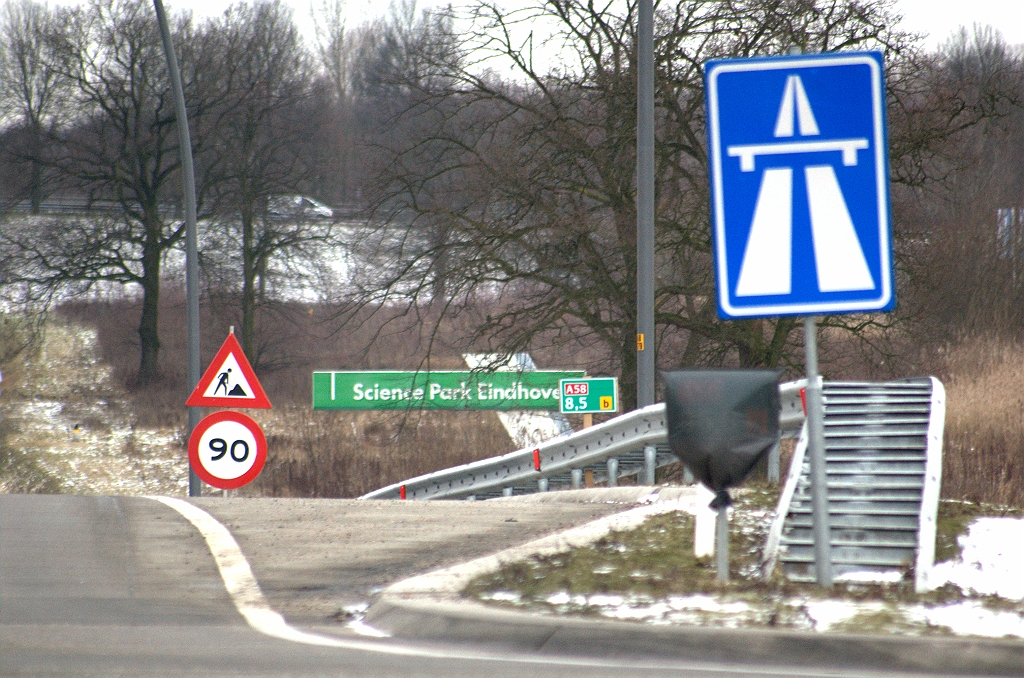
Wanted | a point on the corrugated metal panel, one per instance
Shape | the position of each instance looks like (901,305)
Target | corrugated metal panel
(882,452)
(622,438)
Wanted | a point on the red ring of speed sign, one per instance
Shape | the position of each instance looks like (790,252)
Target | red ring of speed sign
(227,449)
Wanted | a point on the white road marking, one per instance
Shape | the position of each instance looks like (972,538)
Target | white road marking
(250,602)
(239,580)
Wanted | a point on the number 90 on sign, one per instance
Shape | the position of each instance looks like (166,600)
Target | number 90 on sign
(227,450)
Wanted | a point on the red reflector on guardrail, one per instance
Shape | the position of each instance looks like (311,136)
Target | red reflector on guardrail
(401,491)
(803,400)
(536,460)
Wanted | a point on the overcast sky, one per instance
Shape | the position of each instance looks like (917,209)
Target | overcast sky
(937,18)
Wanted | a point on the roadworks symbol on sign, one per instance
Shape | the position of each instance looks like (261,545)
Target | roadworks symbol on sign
(229,381)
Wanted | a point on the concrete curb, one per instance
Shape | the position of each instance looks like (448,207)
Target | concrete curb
(429,608)
(427,618)
(452,580)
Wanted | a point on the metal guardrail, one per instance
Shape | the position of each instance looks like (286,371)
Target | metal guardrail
(84,207)
(632,444)
(65,206)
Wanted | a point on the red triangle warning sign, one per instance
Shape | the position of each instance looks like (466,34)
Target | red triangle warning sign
(229,381)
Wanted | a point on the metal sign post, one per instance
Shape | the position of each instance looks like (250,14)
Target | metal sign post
(191,238)
(816,452)
(645,359)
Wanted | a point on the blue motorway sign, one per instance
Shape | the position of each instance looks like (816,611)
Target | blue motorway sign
(799,185)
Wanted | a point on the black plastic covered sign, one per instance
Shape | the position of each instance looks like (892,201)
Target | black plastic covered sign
(721,422)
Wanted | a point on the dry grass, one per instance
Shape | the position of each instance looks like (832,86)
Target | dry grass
(311,454)
(983,458)
(347,454)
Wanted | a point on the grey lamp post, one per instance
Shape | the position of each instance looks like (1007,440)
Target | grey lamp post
(191,257)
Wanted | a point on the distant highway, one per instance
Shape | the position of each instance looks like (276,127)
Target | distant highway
(125,586)
(172,210)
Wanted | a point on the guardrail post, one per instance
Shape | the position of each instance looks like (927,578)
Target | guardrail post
(542,485)
(650,463)
(773,464)
(613,471)
(722,544)
(506,491)
(577,478)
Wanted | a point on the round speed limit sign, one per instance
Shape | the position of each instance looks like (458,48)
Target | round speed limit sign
(227,449)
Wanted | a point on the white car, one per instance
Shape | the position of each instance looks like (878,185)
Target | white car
(298,206)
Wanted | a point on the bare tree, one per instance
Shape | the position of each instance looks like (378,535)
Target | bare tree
(341,53)
(260,167)
(121,148)
(962,243)
(517,194)
(33,89)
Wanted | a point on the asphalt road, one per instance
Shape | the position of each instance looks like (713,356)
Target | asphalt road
(125,586)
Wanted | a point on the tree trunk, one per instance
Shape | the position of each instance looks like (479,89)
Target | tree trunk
(149,337)
(35,186)
(248,289)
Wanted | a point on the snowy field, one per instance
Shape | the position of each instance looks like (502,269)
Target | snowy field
(76,425)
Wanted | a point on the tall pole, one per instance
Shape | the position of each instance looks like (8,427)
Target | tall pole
(816,450)
(645,205)
(195,487)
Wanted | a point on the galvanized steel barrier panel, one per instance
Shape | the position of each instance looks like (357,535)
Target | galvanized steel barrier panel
(883,458)
(550,465)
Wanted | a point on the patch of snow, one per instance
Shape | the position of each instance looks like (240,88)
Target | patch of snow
(645,613)
(78,426)
(505,596)
(972,618)
(993,550)
(873,576)
(364,629)
(827,613)
(676,609)
(706,604)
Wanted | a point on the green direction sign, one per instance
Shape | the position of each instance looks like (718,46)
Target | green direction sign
(534,390)
(583,396)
